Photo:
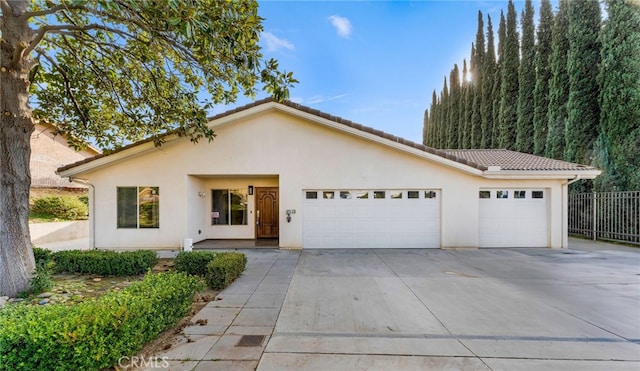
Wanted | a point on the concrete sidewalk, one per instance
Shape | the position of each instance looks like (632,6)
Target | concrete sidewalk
(249,306)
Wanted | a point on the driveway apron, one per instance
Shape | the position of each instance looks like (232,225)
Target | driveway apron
(473,310)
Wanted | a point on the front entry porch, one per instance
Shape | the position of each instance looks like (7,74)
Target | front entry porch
(262,243)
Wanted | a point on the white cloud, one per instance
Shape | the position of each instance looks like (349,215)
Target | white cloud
(273,43)
(342,25)
(317,99)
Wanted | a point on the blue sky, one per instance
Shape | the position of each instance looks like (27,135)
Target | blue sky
(372,62)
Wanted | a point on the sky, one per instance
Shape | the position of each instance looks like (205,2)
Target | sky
(376,63)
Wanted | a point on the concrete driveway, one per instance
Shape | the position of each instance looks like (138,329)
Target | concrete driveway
(502,309)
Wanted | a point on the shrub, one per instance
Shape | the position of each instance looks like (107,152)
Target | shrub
(61,207)
(41,279)
(224,269)
(42,256)
(193,262)
(106,263)
(84,199)
(94,334)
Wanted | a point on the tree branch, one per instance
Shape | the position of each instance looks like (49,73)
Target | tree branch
(67,84)
(53,10)
(42,31)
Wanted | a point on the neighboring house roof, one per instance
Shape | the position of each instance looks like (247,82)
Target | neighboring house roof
(48,152)
(489,163)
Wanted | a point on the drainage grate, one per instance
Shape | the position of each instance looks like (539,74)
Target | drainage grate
(250,341)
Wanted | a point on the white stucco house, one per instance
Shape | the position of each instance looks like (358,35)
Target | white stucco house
(311,180)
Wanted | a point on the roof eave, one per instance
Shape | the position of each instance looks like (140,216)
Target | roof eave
(541,174)
(114,157)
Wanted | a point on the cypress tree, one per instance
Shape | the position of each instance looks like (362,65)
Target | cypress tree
(619,79)
(455,97)
(497,83)
(583,58)
(543,76)
(431,131)
(510,62)
(443,112)
(464,139)
(425,127)
(526,82)
(477,78)
(559,84)
(488,66)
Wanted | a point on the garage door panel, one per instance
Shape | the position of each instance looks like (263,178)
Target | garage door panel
(372,222)
(513,222)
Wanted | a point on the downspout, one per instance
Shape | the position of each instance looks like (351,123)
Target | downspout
(565,210)
(92,218)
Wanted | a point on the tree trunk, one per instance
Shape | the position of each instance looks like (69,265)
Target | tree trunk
(16,126)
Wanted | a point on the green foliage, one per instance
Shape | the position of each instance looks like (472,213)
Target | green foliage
(526,82)
(41,255)
(583,58)
(94,334)
(194,262)
(559,84)
(489,67)
(455,100)
(84,199)
(41,279)
(224,269)
(61,207)
(510,62)
(619,79)
(123,71)
(543,76)
(477,74)
(571,93)
(107,263)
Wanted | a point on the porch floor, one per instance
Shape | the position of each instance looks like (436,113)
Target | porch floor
(237,244)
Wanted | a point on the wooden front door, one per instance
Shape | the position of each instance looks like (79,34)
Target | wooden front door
(267,212)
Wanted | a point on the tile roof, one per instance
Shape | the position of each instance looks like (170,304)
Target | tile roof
(512,160)
(478,159)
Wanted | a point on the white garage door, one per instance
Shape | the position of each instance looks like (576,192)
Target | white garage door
(371,219)
(513,218)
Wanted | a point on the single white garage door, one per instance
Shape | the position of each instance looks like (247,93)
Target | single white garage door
(347,219)
(513,218)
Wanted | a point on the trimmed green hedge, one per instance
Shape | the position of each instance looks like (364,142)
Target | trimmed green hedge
(41,255)
(224,269)
(94,334)
(106,263)
(193,262)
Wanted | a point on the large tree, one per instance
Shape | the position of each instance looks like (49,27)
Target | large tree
(466,107)
(559,84)
(455,100)
(114,71)
(543,76)
(619,77)
(497,81)
(509,64)
(583,59)
(526,82)
(488,71)
(477,79)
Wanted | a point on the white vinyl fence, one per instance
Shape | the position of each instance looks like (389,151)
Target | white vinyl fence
(611,216)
